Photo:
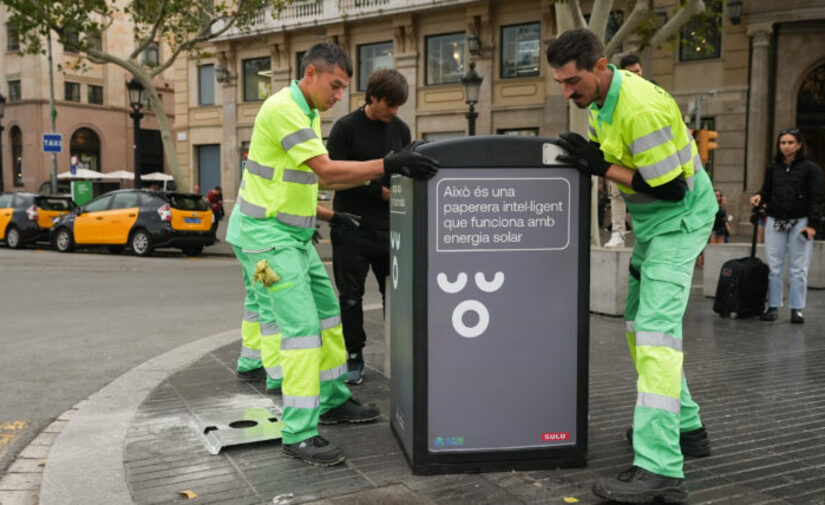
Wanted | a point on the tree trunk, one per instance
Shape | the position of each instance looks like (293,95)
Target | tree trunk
(165,132)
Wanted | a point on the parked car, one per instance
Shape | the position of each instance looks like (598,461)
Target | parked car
(139,219)
(27,217)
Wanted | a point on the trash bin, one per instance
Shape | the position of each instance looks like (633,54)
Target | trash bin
(489,313)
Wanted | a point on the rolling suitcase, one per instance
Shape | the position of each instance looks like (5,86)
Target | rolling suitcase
(743,284)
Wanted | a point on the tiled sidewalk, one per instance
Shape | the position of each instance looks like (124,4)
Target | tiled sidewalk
(761,387)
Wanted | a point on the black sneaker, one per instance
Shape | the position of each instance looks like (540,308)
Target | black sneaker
(355,368)
(316,451)
(797,317)
(770,315)
(694,443)
(637,485)
(351,411)
(251,375)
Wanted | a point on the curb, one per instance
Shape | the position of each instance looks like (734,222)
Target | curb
(82,451)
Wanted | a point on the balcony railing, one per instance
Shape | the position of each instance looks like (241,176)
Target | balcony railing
(320,12)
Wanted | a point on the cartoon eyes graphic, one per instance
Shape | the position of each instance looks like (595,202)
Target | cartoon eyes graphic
(466,306)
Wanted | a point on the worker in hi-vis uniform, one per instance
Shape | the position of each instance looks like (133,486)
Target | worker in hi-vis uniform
(258,357)
(276,209)
(639,140)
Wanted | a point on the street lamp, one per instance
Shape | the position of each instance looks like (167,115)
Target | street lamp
(136,102)
(472,83)
(2,111)
(735,11)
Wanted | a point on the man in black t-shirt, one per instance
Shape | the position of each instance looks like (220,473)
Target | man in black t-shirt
(368,133)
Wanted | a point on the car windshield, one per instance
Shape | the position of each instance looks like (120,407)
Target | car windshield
(54,203)
(187,202)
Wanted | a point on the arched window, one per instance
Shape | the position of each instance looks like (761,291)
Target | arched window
(17,154)
(810,113)
(85,149)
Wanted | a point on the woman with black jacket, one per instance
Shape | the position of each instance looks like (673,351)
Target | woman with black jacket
(792,193)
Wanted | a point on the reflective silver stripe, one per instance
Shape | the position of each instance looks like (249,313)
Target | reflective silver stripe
(697,164)
(246,352)
(658,339)
(330,322)
(293,343)
(302,402)
(655,401)
(243,183)
(333,373)
(250,209)
(251,317)
(299,176)
(269,329)
(253,251)
(260,170)
(684,153)
(293,139)
(651,140)
(297,221)
(592,131)
(275,373)
(660,168)
(630,326)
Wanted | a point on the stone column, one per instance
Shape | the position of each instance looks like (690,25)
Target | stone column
(230,157)
(759,140)
(406,62)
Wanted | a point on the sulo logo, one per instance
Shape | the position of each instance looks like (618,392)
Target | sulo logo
(454,287)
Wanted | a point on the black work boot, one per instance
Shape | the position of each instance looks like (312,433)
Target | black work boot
(797,317)
(255,374)
(770,315)
(694,443)
(351,411)
(637,485)
(316,451)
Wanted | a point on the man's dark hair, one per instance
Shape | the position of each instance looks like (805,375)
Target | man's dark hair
(324,56)
(387,84)
(629,59)
(579,45)
(218,188)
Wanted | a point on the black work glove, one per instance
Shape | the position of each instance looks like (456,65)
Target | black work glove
(409,163)
(346,221)
(582,154)
(316,237)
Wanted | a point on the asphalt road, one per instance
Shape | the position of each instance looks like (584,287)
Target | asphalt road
(71,323)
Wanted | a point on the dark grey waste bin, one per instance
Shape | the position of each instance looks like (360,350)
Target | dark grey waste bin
(489,315)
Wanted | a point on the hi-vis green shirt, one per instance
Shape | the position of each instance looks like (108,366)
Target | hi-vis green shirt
(279,192)
(640,127)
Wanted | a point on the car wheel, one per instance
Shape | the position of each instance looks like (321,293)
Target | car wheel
(115,249)
(192,251)
(63,240)
(141,243)
(13,237)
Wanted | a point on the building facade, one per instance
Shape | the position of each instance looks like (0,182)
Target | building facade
(92,111)
(755,72)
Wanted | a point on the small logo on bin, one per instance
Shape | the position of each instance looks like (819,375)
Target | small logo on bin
(558,436)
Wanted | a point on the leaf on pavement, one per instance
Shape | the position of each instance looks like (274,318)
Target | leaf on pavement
(188,494)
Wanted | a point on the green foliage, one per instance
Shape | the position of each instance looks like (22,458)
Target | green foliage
(180,25)
(701,35)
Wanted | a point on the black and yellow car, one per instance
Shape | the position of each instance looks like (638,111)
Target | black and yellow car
(140,220)
(27,217)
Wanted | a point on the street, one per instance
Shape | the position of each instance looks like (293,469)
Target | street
(71,323)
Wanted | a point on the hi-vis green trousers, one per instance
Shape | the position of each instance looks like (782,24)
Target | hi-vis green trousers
(250,357)
(301,337)
(653,317)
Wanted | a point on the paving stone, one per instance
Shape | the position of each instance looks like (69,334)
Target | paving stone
(27,465)
(21,481)
(35,452)
(761,388)
(29,497)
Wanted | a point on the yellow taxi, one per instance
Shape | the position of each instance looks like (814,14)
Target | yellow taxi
(139,219)
(27,217)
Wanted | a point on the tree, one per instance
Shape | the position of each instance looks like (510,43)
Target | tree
(641,22)
(180,25)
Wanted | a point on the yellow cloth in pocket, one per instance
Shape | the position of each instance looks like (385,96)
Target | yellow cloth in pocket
(265,274)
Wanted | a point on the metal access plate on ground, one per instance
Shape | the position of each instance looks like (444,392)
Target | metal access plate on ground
(222,428)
